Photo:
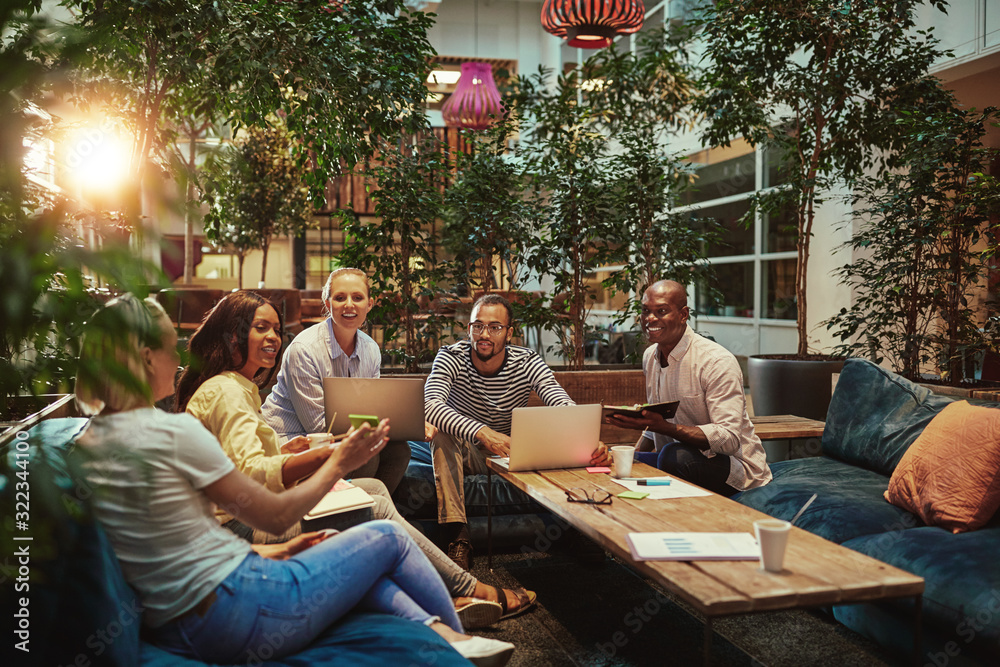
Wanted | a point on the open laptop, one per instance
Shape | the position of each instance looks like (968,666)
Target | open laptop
(399,399)
(563,436)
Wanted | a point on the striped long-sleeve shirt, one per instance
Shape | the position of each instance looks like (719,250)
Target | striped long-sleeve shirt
(460,401)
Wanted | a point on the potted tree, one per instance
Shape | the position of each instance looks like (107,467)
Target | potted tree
(920,258)
(398,250)
(53,282)
(820,86)
(644,95)
(567,158)
(256,191)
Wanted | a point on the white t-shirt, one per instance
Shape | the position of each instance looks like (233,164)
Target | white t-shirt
(146,469)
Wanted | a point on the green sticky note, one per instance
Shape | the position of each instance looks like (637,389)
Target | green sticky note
(633,495)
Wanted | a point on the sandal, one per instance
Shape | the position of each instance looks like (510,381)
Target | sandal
(478,613)
(526,600)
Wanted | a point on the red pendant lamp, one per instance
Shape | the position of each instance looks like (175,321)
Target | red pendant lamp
(592,24)
(476,101)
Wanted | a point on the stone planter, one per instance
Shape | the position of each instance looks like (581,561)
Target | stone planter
(791,386)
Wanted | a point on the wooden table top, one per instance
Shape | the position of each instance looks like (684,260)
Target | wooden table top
(817,572)
(780,427)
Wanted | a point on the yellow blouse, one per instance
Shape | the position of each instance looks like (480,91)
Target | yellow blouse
(229,406)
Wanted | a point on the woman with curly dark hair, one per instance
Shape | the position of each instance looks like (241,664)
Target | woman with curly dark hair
(238,343)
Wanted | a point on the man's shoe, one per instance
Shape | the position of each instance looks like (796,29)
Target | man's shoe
(460,551)
(484,652)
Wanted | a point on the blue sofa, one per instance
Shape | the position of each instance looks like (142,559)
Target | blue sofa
(874,416)
(80,610)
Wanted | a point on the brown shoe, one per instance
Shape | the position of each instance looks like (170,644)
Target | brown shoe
(460,551)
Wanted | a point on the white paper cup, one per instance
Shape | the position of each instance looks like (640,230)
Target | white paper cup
(622,456)
(319,439)
(772,536)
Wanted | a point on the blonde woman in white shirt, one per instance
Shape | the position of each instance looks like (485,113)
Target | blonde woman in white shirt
(207,594)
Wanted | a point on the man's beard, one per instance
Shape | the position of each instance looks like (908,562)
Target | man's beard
(494,352)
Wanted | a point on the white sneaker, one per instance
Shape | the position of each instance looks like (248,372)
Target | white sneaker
(484,652)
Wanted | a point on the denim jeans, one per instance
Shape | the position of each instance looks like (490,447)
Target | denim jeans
(458,582)
(388,466)
(270,608)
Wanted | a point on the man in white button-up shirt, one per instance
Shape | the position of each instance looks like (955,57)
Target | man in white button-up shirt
(710,441)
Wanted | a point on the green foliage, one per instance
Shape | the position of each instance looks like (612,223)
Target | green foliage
(646,93)
(256,191)
(650,90)
(398,252)
(925,242)
(342,76)
(567,157)
(819,81)
(51,281)
(489,212)
(655,242)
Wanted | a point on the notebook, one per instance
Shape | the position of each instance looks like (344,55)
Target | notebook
(343,498)
(400,399)
(666,410)
(563,436)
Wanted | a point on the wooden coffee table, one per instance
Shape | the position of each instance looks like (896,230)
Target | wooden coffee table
(817,572)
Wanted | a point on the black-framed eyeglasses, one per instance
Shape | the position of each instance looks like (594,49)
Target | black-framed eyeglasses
(494,329)
(595,497)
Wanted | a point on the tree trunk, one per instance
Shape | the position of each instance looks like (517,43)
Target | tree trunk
(189,213)
(263,263)
(239,258)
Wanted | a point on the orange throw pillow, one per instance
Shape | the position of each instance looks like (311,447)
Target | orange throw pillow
(950,475)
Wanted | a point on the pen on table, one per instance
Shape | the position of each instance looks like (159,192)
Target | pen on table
(652,481)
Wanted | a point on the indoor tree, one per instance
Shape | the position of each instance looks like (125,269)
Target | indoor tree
(655,242)
(50,278)
(488,210)
(343,74)
(644,96)
(566,154)
(925,244)
(398,252)
(820,83)
(256,192)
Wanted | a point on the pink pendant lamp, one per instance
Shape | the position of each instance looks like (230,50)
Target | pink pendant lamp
(475,104)
(592,24)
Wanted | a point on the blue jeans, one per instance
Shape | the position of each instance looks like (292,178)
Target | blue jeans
(688,463)
(275,608)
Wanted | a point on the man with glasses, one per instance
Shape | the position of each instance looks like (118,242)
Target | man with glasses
(473,387)
(711,440)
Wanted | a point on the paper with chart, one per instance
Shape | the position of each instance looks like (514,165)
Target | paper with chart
(693,546)
(677,489)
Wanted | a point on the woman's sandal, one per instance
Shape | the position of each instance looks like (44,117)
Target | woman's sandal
(526,599)
(478,613)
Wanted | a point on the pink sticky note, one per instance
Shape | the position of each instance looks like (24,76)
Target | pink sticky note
(599,469)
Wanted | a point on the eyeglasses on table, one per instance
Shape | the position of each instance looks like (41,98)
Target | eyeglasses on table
(595,497)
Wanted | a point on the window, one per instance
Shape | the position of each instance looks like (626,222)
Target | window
(753,264)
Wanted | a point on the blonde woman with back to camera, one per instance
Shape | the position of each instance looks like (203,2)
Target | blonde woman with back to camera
(207,594)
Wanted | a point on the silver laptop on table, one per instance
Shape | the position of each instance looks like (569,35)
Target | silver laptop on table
(399,399)
(562,436)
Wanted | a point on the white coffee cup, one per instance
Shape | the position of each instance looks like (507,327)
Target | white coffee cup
(622,456)
(772,536)
(319,439)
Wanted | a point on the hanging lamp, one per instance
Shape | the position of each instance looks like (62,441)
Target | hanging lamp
(475,104)
(592,24)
